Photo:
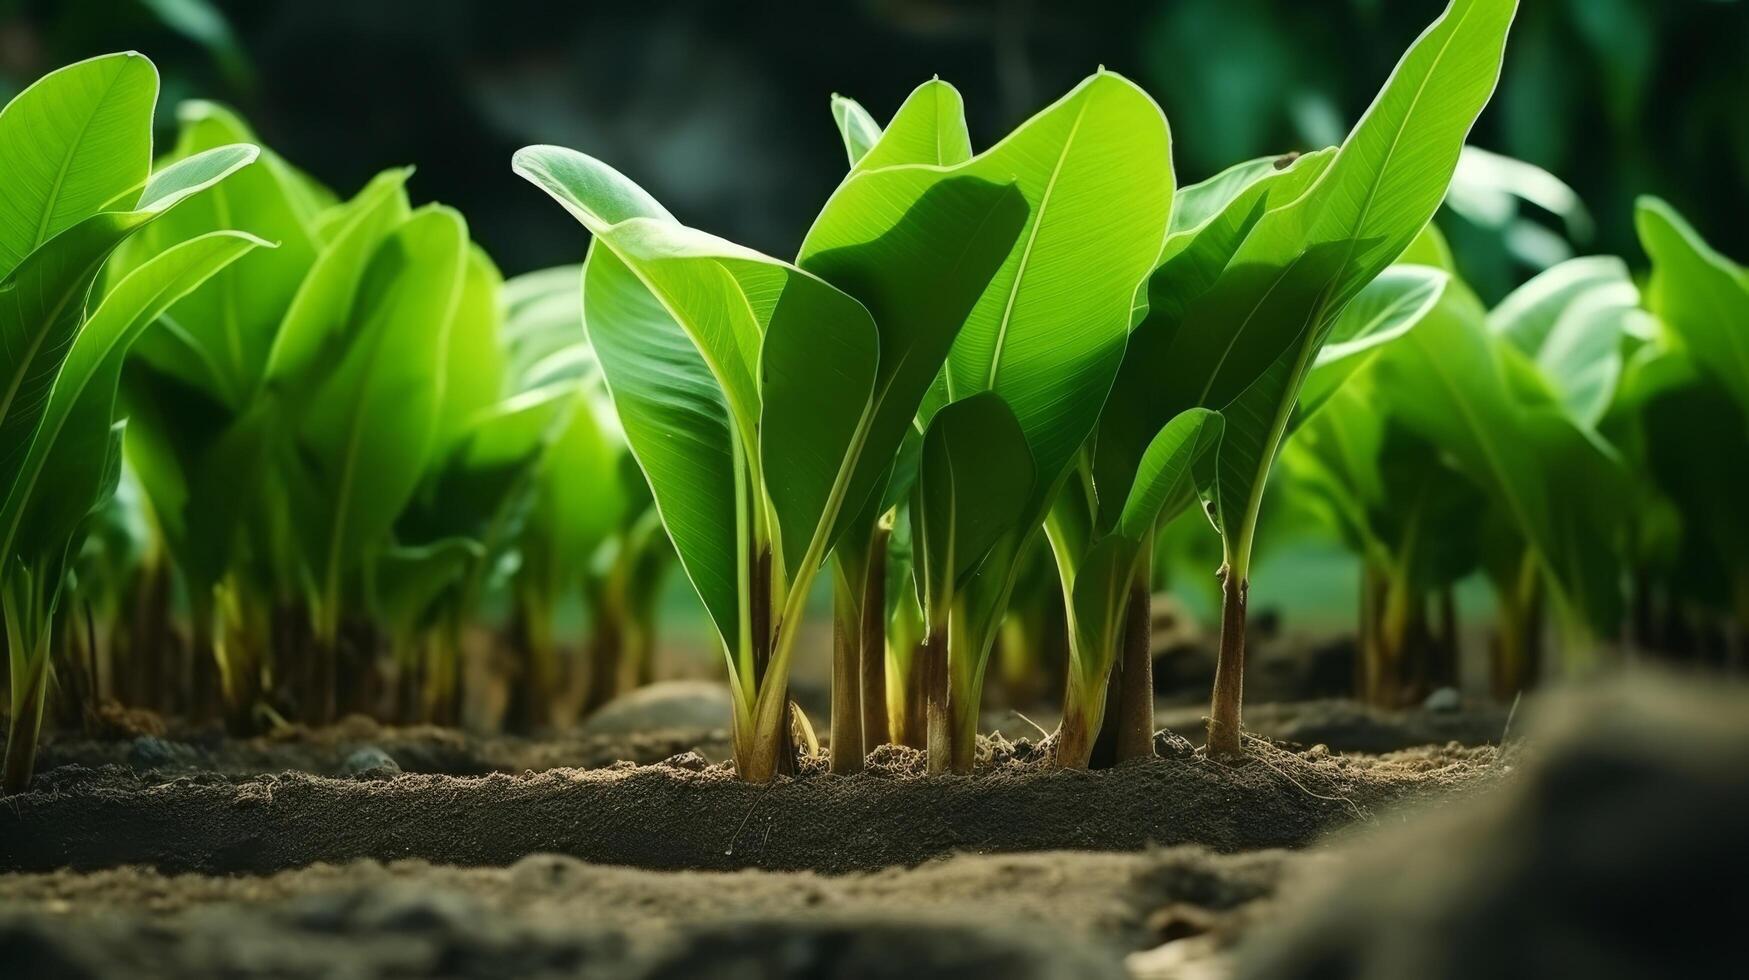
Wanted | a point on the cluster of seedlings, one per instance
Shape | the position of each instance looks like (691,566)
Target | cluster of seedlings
(975,398)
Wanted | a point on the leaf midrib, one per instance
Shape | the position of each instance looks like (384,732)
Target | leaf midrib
(1031,239)
(36,342)
(60,181)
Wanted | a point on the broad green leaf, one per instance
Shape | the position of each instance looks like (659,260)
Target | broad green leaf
(1385,310)
(1165,482)
(568,523)
(76,142)
(317,312)
(1195,208)
(677,425)
(720,293)
(407,581)
(543,320)
(929,128)
(919,279)
(1528,314)
(368,428)
(1158,378)
(1367,207)
(681,360)
(857,128)
(974,485)
(1702,296)
(481,489)
(232,321)
(77,419)
(1447,381)
(42,302)
(1048,330)
(474,359)
(816,378)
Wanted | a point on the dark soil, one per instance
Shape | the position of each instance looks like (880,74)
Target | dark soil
(687,813)
(415,749)
(1349,726)
(1057,914)
(150,745)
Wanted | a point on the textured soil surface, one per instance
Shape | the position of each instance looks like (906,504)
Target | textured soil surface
(339,750)
(1607,844)
(688,813)
(151,745)
(1056,914)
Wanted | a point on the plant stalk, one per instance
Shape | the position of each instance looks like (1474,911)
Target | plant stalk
(1135,706)
(28,613)
(1223,726)
(872,649)
(847,743)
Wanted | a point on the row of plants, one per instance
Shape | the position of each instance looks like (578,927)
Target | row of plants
(977,398)
(1041,339)
(342,429)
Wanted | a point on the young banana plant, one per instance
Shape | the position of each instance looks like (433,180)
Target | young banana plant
(77,181)
(1239,311)
(764,405)
(1044,335)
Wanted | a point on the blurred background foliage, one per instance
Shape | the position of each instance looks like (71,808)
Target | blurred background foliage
(720,109)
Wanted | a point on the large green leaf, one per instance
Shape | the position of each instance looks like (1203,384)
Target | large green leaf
(1047,332)
(367,430)
(855,126)
(1572,321)
(317,312)
(974,484)
(816,378)
(42,302)
(76,142)
(474,360)
(1369,205)
(1702,295)
(579,500)
(678,319)
(919,279)
(1158,377)
(929,128)
(232,322)
(1562,490)
(74,430)
(543,327)
(1165,481)
(1385,310)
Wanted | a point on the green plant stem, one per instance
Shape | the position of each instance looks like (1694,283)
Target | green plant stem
(872,649)
(847,740)
(1229,690)
(931,665)
(1518,644)
(1135,669)
(28,611)
(240,636)
(966,664)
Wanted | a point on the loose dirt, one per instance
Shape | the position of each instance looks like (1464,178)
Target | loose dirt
(688,813)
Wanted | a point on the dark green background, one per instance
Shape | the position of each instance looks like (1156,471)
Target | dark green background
(720,108)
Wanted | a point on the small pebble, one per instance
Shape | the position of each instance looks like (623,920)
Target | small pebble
(1444,699)
(369,762)
(152,752)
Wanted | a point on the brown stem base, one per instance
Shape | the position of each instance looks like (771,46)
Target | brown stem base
(1223,728)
